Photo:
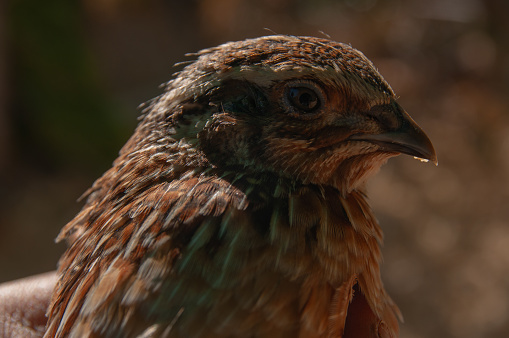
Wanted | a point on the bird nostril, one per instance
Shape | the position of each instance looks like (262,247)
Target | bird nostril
(385,115)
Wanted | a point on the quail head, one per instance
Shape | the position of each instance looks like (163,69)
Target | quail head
(237,208)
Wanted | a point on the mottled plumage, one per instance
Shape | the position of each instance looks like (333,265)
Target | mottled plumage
(237,208)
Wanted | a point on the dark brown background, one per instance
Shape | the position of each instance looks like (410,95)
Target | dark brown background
(73,72)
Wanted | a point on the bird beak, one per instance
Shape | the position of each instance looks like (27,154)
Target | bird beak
(408,139)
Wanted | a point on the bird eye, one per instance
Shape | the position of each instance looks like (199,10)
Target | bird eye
(303,98)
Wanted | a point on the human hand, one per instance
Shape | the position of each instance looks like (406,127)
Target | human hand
(23,305)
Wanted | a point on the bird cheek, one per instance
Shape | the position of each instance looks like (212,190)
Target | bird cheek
(353,172)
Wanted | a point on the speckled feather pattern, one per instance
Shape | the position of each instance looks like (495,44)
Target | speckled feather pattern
(226,216)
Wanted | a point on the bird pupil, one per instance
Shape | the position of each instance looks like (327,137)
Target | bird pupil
(303,98)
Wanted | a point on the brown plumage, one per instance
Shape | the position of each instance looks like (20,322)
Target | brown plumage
(237,208)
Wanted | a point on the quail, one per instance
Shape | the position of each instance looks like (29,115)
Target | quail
(238,207)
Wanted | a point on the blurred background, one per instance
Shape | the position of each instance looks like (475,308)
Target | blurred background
(72,74)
